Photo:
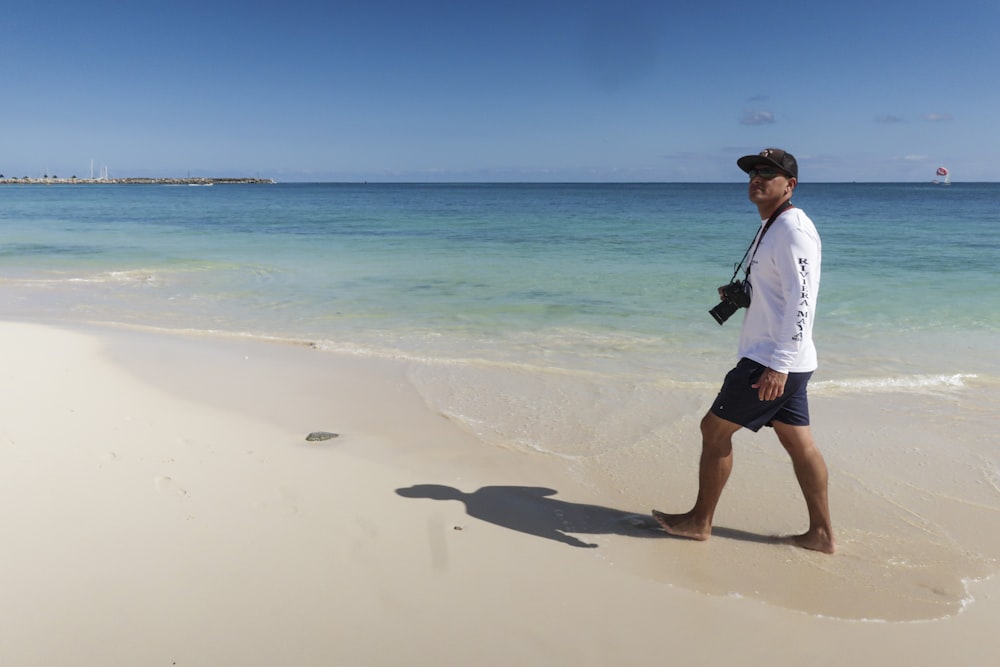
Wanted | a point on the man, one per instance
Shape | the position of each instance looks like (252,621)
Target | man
(777,357)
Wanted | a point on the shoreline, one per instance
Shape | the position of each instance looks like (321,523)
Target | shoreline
(135,181)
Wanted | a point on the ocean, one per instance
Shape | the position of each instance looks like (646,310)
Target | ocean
(612,279)
(571,320)
(607,284)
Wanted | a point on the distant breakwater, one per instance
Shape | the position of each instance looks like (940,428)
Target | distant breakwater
(133,181)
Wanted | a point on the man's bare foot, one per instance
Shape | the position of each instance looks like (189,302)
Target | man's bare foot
(683,525)
(815,540)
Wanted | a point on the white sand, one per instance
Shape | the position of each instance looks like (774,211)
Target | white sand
(162,507)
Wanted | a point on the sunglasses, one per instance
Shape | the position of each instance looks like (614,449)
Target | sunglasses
(765,172)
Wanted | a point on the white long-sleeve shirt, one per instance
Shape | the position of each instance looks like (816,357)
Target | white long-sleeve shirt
(784,277)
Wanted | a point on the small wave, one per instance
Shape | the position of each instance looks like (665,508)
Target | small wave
(118,277)
(896,384)
(964,604)
(204,333)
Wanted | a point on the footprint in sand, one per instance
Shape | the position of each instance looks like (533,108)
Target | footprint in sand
(287,500)
(167,485)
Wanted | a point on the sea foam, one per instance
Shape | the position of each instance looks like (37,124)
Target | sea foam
(908,383)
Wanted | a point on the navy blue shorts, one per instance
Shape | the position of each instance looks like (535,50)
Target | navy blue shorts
(738,401)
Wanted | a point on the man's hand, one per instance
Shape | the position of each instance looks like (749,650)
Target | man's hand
(771,385)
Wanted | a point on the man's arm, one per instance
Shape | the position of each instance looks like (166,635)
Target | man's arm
(797,264)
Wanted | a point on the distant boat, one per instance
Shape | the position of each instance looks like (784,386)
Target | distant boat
(941,171)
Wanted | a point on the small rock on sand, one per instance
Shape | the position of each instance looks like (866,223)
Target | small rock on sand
(317,436)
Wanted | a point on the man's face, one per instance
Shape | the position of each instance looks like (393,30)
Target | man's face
(769,186)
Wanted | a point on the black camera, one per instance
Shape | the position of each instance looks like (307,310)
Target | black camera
(735,295)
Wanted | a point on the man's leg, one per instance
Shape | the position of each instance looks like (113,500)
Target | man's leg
(810,471)
(713,473)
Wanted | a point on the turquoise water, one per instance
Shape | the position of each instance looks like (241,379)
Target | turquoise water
(524,286)
(581,276)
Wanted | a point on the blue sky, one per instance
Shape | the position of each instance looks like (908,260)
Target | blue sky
(586,90)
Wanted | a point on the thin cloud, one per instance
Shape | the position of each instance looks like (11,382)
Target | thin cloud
(889,119)
(759,98)
(757,118)
(937,117)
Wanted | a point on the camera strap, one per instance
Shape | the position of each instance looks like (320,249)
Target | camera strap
(787,204)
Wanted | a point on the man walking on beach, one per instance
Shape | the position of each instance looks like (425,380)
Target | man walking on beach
(776,357)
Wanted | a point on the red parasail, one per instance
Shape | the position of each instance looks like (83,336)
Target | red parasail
(942,171)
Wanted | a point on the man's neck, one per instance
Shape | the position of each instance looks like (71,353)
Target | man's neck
(767,210)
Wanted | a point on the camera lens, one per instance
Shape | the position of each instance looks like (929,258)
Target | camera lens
(723,311)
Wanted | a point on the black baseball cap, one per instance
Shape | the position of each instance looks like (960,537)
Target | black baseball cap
(775,157)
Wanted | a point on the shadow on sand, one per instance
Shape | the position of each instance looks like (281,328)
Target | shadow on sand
(532,510)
